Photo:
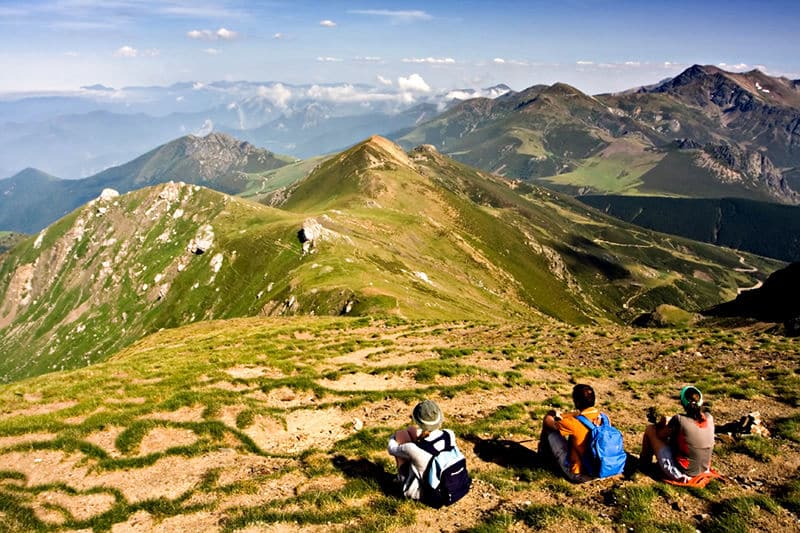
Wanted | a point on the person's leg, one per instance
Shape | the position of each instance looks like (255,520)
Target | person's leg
(559,447)
(668,466)
(650,442)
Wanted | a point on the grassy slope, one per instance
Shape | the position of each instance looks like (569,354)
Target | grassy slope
(425,239)
(258,422)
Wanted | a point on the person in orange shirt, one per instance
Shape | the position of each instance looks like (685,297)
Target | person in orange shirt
(565,437)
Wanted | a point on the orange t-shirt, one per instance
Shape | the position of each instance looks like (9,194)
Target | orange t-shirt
(575,432)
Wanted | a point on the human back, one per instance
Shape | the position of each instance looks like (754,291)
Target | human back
(692,435)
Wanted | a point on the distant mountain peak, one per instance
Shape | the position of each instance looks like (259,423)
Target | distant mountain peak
(97,87)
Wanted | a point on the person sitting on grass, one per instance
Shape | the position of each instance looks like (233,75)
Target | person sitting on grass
(684,445)
(421,447)
(568,439)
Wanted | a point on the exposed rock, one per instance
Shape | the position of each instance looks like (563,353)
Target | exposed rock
(216,263)
(202,241)
(107,195)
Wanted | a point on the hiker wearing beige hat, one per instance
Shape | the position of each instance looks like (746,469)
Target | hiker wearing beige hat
(430,467)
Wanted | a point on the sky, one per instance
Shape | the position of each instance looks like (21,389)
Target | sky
(596,45)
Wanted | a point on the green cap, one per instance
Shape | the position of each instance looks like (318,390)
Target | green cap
(686,392)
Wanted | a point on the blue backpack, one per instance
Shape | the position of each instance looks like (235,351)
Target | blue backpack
(445,480)
(605,452)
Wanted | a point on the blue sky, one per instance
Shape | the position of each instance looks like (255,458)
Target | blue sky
(596,45)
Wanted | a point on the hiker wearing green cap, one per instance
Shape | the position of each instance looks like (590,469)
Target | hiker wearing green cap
(682,446)
(430,466)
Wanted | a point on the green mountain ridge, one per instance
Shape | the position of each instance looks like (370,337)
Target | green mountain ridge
(371,231)
(30,200)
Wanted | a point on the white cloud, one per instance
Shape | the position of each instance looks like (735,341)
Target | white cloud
(632,64)
(126,51)
(211,35)
(211,51)
(207,35)
(736,67)
(205,129)
(430,60)
(151,52)
(71,53)
(278,36)
(413,83)
(327,23)
(513,62)
(368,59)
(329,60)
(226,34)
(348,94)
(278,94)
(384,81)
(395,15)
(584,63)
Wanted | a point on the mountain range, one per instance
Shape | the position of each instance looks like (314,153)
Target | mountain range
(373,230)
(76,135)
(31,199)
(704,133)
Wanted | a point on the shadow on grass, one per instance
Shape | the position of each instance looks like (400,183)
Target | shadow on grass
(512,454)
(507,453)
(370,472)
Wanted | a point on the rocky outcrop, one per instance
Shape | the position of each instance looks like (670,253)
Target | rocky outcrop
(752,168)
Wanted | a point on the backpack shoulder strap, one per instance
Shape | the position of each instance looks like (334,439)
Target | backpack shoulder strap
(428,445)
(585,421)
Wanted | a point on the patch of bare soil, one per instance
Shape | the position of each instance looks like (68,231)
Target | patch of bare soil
(7,442)
(356,357)
(169,477)
(227,414)
(80,419)
(41,409)
(106,439)
(182,414)
(275,489)
(247,466)
(252,372)
(228,386)
(286,397)
(81,506)
(361,381)
(304,429)
(161,439)
(142,521)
